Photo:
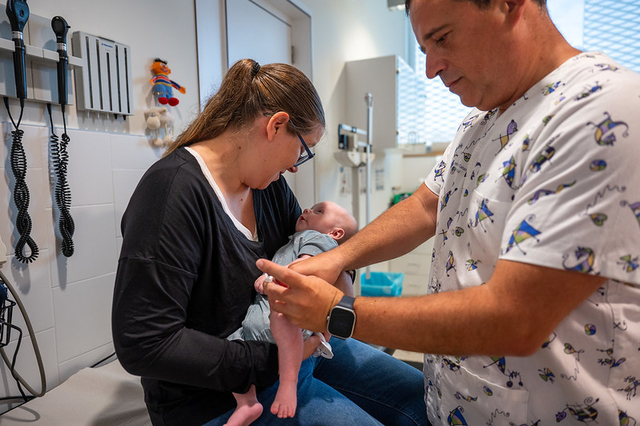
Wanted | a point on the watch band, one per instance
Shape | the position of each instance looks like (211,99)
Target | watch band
(346,302)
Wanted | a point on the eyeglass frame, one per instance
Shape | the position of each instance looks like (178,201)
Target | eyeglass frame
(308,153)
(304,157)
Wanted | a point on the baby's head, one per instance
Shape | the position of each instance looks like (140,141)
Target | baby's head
(328,218)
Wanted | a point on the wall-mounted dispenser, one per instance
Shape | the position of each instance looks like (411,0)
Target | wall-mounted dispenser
(105,82)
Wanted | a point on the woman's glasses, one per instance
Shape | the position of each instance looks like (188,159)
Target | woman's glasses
(307,155)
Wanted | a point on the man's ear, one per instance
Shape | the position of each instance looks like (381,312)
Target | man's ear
(337,234)
(277,124)
(515,8)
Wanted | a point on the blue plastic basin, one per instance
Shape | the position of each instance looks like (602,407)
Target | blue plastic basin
(381,284)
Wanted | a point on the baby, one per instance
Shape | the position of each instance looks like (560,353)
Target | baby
(318,229)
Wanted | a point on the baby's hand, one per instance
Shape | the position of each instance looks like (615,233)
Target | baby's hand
(259,284)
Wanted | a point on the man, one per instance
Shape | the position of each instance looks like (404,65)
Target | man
(534,304)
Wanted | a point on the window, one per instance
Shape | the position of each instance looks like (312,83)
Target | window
(443,109)
(611,26)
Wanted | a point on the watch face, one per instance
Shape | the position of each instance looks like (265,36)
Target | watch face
(341,322)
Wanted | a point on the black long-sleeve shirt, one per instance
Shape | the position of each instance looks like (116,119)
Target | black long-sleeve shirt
(184,283)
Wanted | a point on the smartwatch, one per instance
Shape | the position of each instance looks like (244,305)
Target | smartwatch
(342,318)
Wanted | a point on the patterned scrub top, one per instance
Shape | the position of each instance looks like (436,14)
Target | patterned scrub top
(552,181)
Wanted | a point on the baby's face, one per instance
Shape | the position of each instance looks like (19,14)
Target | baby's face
(322,217)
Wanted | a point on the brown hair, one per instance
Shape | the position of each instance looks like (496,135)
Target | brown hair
(482,4)
(249,90)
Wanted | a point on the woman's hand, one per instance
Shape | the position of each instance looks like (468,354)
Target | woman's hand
(306,301)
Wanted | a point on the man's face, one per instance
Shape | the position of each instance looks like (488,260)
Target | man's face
(468,48)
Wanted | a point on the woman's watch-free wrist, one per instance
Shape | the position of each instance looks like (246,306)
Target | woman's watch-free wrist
(342,318)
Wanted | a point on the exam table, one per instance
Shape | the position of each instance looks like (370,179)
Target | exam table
(102,396)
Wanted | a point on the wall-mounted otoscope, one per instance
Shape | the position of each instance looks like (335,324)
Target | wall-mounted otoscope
(60,28)
(26,249)
(18,14)
(59,153)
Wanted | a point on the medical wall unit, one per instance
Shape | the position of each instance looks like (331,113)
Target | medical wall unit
(400,101)
(41,60)
(104,85)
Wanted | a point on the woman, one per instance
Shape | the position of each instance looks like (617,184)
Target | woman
(194,228)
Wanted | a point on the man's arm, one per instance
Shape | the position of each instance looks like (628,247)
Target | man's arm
(394,233)
(512,314)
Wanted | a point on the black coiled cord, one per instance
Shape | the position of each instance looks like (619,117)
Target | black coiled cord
(62,192)
(21,192)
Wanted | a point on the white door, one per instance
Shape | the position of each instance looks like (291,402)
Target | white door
(258,30)
(255,32)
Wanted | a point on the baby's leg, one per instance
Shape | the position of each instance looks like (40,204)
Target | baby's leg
(248,409)
(289,340)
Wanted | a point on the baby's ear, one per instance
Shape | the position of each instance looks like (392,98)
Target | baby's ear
(337,234)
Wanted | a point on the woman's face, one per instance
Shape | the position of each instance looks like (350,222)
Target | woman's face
(281,153)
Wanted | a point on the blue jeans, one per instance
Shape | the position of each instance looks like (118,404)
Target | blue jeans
(360,386)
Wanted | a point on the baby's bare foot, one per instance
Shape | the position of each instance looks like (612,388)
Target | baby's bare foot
(244,415)
(286,402)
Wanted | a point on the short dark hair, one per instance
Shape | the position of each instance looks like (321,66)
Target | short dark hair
(482,4)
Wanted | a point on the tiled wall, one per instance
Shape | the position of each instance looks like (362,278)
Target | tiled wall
(68,299)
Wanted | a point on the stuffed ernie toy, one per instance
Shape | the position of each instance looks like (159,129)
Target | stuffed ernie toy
(162,85)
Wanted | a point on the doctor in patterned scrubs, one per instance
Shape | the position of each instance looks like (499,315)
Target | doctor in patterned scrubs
(533,311)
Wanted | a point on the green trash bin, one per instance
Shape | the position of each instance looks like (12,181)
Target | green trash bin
(381,284)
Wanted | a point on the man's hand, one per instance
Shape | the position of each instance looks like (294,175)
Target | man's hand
(306,301)
(319,266)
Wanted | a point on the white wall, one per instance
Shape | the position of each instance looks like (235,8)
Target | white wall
(346,30)
(69,300)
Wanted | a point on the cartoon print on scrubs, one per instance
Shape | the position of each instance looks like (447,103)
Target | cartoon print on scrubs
(606,130)
(550,88)
(523,232)
(629,263)
(610,361)
(512,128)
(582,412)
(589,91)
(439,172)
(468,123)
(570,350)
(632,388)
(472,264)
(635,208)
(544,192)
(585,258)
(500,362)
(509,171)
(456,418)
(556,198)
(482,213)
(601,198)
(625,420)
